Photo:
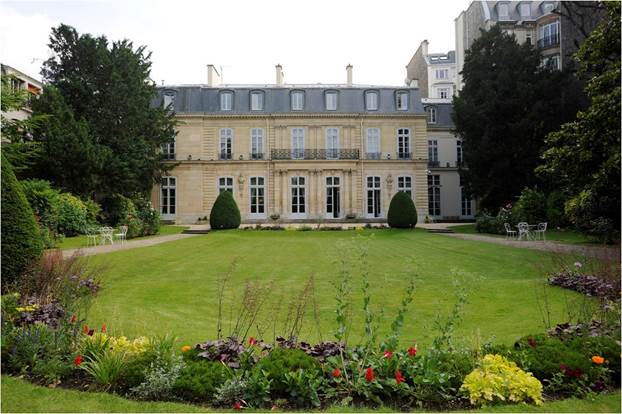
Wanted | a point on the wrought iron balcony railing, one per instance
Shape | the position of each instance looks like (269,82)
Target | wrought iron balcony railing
(434,164)
(373,155)
(548,41)
(314,154)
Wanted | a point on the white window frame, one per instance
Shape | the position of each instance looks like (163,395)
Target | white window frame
(298,137)
(403,144)
(297,186)
(371,104)
(431,110)
(332,143)
(167,188)
(168,150)
(331,101)
(373,148)
(442,73)
(257,140)
(297,100)
(433,150)
(224,183)
(225,147)
(376,186)
(332,181)
(434,184)
(443,91)
(401,101)
(503,7)
(466,204)
(257,101)
(521,8)
(405,184)
(168,102)
(226,101)
(260,194)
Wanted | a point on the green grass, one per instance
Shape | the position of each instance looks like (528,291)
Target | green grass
(562,236)
(81,241)
(21,396)
(172,287)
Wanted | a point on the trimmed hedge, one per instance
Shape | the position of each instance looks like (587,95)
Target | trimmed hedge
(21,243)
(225,213)
(402,211)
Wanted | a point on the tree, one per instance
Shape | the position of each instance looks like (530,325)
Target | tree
(583,157)
(225,213)
(108,89)
(507,106)
(402,212)
(21,244)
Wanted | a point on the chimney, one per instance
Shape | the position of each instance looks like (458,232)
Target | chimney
(279,75)
(349,74)
(213,77)
(424,47)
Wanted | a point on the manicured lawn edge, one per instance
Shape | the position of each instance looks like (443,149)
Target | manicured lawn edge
(559,236)
(19,395)
(81,241)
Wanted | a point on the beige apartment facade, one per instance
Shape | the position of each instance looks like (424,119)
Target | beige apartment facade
(294,153)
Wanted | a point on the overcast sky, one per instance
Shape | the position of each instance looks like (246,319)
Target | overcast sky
(313,40)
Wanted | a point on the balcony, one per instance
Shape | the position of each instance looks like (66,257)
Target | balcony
(373,155)
(315,154)
(548,41)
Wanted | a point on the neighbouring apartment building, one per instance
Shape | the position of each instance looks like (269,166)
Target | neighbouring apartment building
(296,152)
(552,26)
(21,81)
(434,73)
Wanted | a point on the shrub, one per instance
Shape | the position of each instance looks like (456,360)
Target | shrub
(588,215)
(281,362)
(72,215)
(21,242)
(555,209)
(198,380)
(106,369)
(499,380)
(93,212)
(225,213)
(603,346)
(402,212)
(159,379)
(45,202)
(530,207)
(117,208)
(148,215)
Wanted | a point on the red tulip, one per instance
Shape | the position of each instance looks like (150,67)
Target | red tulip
(369,375)
(237,406)
(73,319)
(388,354)
(412,351)
(252,341)
(336,373)
(398,377)
(104,328)
(78,360)
(85,329)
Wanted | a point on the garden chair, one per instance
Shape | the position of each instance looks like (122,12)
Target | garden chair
(123,235)
(509,233)
(91,236)
(540,231)
(106,234)
(523,231)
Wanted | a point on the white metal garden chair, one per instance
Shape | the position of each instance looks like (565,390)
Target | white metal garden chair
(123,234)
(106,234)
(509,233)
(91,236)
(540,231)
(523,231)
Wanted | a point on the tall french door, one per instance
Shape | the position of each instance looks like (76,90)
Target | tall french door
(333,205)
(168,198)
(373,197)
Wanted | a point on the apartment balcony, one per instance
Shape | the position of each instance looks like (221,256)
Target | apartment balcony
(315,154)
(548,41)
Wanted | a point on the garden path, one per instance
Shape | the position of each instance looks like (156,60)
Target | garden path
(130,244)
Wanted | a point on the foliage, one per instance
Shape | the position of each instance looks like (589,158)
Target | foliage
(134,347)
(555,209)
(508,104)
(21,243)
(498,379)
(104,95)
(587,284)
(159,379)
(231,392)
(199,380)
(302,386)
(106,369)
(402,212)
(604,346)
(531,206)
(72,215)
(226,351)
(136,213)
(280,362)
(582,158)
(149,216)
(225,213)
(45,203)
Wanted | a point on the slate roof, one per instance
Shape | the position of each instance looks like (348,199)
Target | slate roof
(537,9)
(190,99)
(443,115)
(442,58)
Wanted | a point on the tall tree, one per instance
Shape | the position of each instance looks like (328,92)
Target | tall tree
(107,86)
(583,157)
(507,106)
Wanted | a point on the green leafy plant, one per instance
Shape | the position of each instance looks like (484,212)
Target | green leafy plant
(159,379)
(72,215)
(106,369)
(198,380)
(225,213)
(281,362)
(402,212)
(303,386)
(500,380)
(231,392)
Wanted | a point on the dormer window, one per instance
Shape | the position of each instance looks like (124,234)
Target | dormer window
(525,10)
(226,101)
(401,101)
(297,100)
(504,11)
(371,100)
(330,99)
(547,7)
(257,101)
(431,114)
(168,102)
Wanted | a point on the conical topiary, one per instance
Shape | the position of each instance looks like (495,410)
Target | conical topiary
(402,211)
(225,213)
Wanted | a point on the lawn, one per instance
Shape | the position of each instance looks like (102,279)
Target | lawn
(563,236)
(172,287)
(81,241)
(21,396)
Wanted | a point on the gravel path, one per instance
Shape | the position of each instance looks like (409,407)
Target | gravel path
(130,244)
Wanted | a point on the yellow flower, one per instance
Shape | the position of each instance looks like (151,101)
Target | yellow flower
(186,348)
(598,359)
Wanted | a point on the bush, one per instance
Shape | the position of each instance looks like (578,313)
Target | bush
(225,213)
(280,362)
(485,223)
(148,215)
(591,218)
(499,380)
(402,212)
(117,208)
(198,380)
(530,207)
(21,242)
(45,202)
(603,346)
(72,218)
(555,210)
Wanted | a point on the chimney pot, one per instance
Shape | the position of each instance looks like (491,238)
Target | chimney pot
(349,74)
(279,75)
(213,77)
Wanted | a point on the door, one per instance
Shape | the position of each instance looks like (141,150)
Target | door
(168,198)
(333,197)
(373,197)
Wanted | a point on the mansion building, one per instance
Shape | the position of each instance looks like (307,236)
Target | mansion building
(299,153)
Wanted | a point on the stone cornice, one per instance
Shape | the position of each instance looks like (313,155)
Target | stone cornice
(203,115)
